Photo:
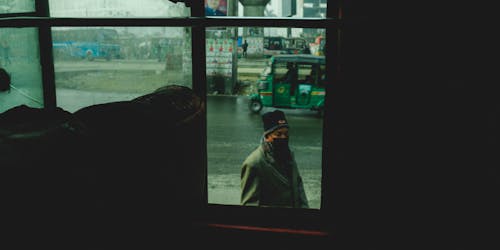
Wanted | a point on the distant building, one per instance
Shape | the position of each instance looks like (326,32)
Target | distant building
(314,8)
(297,9)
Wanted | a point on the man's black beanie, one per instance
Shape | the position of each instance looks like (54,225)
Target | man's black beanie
(274,120)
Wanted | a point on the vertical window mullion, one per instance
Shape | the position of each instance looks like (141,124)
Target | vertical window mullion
(330,146)
(198,59)
(199,79)
(198,49)
(46,57)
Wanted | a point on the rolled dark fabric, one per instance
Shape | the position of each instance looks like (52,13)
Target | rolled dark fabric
(148,156)
(39,149)
(108,171)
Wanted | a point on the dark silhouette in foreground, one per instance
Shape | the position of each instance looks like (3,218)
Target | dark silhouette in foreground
(108,175)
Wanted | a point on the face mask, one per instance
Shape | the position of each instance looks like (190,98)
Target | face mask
(280,143)
(280,147)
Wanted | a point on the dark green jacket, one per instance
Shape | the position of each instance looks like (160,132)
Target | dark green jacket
(263,184)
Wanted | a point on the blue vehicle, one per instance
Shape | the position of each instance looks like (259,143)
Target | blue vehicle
(92,50)
(86,44)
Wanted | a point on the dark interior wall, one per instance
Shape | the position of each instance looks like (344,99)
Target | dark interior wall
(416,121)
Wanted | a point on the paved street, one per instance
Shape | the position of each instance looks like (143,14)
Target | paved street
(245,66)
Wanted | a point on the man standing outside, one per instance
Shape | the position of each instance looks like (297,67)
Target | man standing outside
(212,8)
(269,175)
(245,47)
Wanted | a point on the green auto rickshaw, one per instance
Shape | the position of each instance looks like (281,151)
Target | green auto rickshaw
(293,82)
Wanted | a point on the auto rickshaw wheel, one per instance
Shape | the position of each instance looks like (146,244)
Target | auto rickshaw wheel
(255,106)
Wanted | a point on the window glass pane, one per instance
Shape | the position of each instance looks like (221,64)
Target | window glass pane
(235,126)
(118,8)
(17,6)
(266,8)
(102,64)
(20,57)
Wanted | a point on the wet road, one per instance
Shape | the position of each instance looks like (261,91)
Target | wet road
(233,132)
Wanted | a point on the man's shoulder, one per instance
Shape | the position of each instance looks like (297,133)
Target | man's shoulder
(254,157)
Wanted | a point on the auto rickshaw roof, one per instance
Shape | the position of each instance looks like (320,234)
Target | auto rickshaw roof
(299,58)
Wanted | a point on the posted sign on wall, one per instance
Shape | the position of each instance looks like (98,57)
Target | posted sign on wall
(219,56)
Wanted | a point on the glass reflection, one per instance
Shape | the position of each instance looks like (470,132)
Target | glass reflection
(101,64)
(18,6)
(117,8)
(20,58)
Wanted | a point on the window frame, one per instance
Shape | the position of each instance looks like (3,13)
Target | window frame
(314,219)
